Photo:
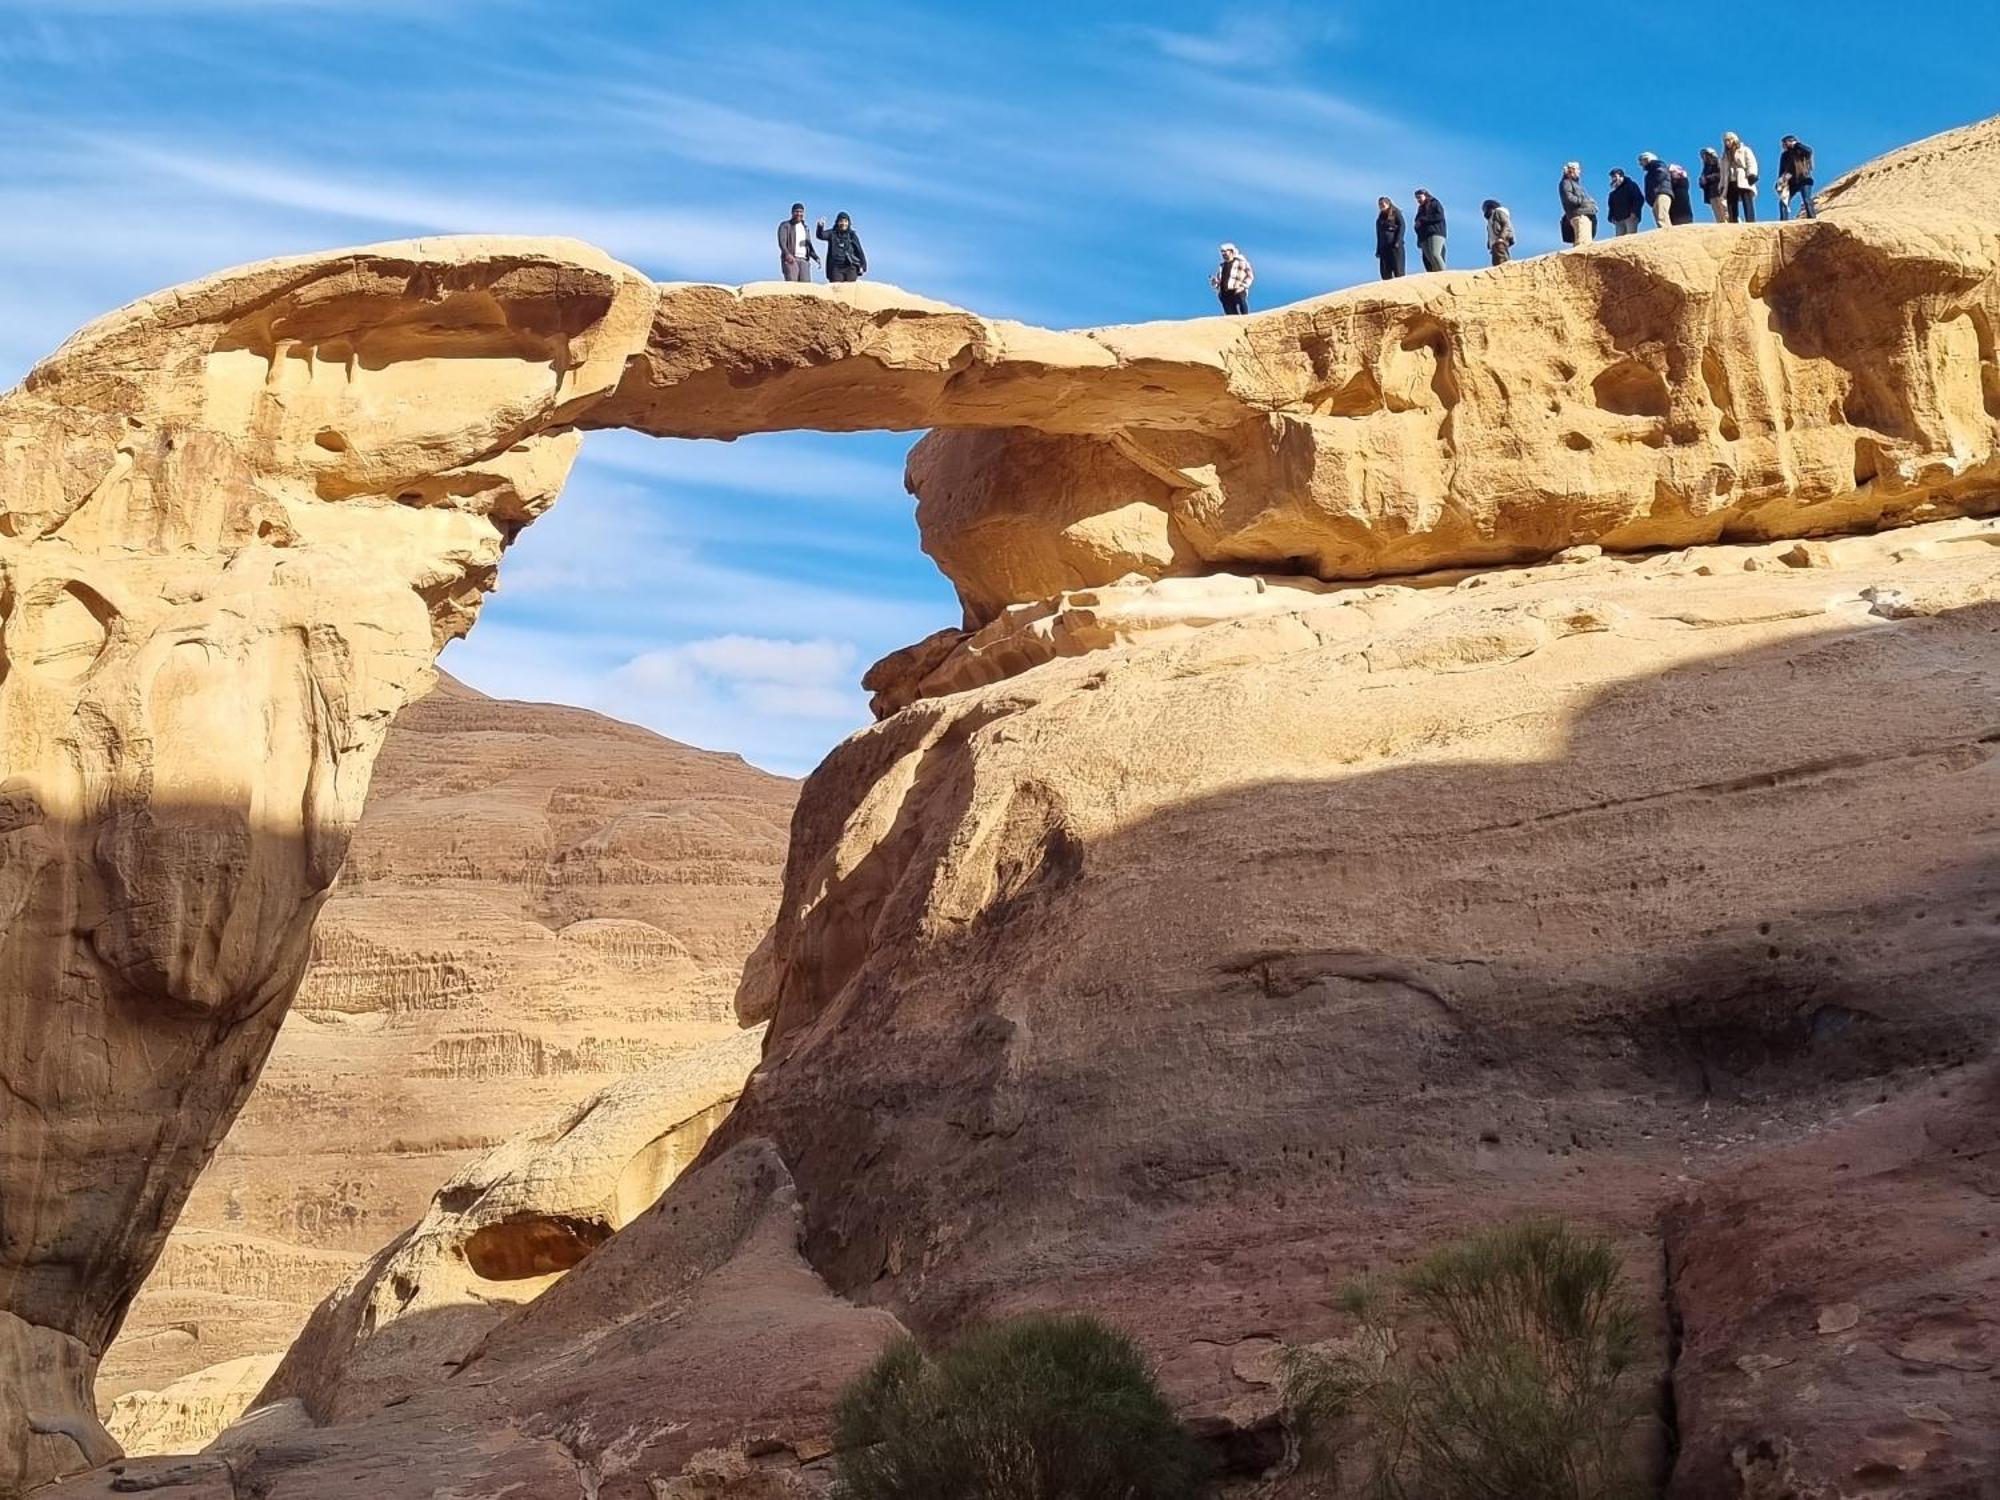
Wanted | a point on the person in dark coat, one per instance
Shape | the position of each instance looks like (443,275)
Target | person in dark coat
(1659,189)
(1430,230)
(1579,208)
(1389,239)
(845,259)
(1713,192)
(1625,204)
(1795,178)
(1683,190)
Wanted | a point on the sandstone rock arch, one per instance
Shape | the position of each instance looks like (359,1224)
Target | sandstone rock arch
(239,519)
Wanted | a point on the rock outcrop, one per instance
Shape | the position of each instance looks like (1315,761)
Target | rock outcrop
(505,1230)
(537,902)
(1165,977)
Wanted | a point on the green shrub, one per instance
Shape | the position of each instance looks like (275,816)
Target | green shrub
(1039,1408)
(1499,1368)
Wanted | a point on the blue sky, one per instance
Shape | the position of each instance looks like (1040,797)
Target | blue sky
(1067,164)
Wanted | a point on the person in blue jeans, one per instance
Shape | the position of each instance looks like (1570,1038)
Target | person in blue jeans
(1430,230)
(1795,179)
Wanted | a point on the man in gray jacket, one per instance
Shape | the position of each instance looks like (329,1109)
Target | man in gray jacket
(795,246)
(1579,208)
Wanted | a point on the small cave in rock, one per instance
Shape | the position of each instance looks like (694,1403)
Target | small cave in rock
(532,1245)
(1632,389)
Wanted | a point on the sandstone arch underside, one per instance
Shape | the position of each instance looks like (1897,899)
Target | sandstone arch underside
(238,521)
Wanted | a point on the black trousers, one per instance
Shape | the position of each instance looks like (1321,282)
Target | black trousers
(843,273)
(1391,262)
(1237,303)
(1742,205)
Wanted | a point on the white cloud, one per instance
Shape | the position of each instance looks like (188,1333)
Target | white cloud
(780,703)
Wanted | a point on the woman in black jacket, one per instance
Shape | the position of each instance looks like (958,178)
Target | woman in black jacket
(845,259)
(1712,190)
(1389,239)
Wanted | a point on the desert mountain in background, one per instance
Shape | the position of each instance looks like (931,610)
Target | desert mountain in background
(539,901)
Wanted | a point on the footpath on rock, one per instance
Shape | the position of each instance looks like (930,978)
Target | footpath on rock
(1505,740)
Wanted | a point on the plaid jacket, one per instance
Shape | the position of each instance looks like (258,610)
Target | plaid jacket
(1234,275)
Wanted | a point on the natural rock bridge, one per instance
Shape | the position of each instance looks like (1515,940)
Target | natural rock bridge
(238,520)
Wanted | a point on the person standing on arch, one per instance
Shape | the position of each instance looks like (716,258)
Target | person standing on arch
(1625,204)
(1659,189)
(1739,178)
(845,259)
(1713,191)
(1389,239)
(1795,179)
(1579,208)
(1232,281)
(1499,231)
(795,246)
(1430,230)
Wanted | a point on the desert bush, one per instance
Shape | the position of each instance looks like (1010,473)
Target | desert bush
(1498,1368)
(1038,1408)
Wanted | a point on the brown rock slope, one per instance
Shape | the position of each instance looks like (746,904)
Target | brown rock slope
(539,901)
(1167,976)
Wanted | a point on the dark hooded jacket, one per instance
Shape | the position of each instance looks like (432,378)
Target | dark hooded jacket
(1683,196)
(1626,201)
(1430,218)
(1711,176)
(843,247)
(1657,183)
(1797,163)
(1577,202)
(1388,230)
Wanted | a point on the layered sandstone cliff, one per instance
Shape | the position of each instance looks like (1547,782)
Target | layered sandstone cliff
(1177,942)
(538,902)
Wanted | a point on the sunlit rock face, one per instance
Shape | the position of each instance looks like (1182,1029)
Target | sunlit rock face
(1166,960)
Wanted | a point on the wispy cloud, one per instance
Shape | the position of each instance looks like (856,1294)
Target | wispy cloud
(1258,39)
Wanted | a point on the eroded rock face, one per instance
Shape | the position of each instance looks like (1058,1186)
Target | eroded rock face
(1182,940)
(505,1230)
(1666,391)
(538,902)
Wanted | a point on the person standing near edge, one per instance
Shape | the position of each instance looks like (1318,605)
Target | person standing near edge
(795,246)
(1389,239)
(1795,178)
(1430,230)
(1739,178)
(1625,203)
(1713,192)
(1683,194)
(1232,280)
(845,259)
(1499,231)
(1579,208)
(1659,189)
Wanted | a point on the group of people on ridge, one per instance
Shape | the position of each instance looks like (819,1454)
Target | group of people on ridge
(1728,184)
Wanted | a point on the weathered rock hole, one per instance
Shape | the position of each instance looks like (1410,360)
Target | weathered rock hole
(1576,442)
(1867,462)
(541,1245)
(330,440)
(62,629)
(1632,389)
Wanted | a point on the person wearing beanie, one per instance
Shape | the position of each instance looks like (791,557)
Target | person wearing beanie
(1659,189)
